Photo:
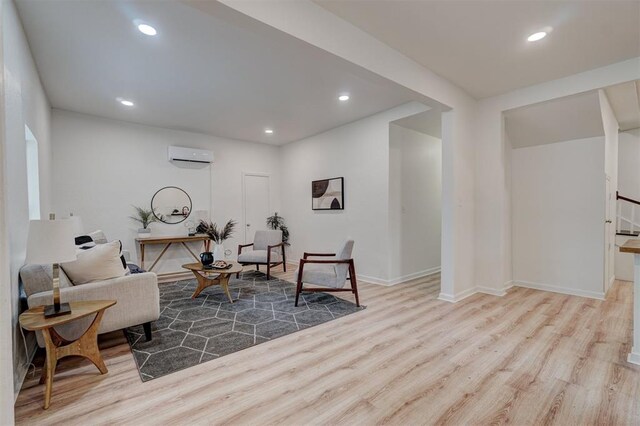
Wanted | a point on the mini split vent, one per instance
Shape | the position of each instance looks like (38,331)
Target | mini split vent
(190,155)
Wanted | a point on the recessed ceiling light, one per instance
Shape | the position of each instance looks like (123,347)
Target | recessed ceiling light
(343,98)
(147,29)
(125,102)
(268,131)
(537,36)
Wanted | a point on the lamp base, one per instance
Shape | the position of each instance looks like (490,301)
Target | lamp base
(51,311)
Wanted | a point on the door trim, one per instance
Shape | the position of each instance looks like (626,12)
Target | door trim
(244,197)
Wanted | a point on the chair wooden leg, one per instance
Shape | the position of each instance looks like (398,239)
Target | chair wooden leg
(268,271)
(284,260)
(298,291)
(354,285)
(257,267)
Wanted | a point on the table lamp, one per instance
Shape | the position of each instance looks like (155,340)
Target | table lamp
(52,242)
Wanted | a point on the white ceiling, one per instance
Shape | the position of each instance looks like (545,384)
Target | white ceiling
(564,119)
(218,73)
(481,45)
(428,122)
(625,102)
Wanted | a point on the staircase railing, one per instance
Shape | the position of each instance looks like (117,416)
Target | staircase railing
(631,220)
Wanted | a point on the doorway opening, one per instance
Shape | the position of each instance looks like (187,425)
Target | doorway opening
(415,198)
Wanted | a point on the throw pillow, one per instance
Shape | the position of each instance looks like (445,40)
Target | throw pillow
(99,263)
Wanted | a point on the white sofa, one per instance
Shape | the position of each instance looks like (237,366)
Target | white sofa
(137,296)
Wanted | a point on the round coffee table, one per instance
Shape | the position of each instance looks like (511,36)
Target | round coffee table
(207,277)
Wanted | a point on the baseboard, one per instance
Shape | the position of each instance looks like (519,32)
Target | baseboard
(32,346)
(174,276)
(492,291)
(634,357)
(399,280)
(453,298)
(562,290)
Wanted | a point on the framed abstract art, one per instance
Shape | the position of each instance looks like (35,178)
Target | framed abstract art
(327,194)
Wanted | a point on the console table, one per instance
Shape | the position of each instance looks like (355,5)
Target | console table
(168,241)
(633,246)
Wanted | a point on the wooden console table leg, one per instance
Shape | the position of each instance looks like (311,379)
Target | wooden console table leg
(164,250)
(141,256)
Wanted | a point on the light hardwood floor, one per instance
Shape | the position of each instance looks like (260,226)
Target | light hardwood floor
(530,357)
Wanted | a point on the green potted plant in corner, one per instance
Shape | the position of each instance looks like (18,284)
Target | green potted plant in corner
(217,235)
(277,222)
(145,218)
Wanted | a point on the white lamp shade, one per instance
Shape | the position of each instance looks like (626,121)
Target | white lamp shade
(51,241)
(78,228)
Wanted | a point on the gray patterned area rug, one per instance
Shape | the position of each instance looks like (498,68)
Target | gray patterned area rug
(193,331)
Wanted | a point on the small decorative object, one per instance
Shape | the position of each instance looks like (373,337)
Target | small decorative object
(221,264)
(206,258)
(191,227)
(277,222)
(327,194)
(145,218)
(185,211)
(217,235)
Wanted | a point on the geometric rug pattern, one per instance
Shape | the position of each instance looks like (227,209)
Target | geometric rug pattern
(193,331)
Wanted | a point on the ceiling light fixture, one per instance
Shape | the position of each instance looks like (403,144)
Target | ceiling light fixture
(268,131)
(343,98)
(537,36)
(125,102)
(147,29)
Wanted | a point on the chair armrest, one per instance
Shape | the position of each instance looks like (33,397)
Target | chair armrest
(241,246)
(318,255)
(274,246)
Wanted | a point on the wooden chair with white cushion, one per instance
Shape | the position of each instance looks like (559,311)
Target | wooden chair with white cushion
(330,274)
(267,249)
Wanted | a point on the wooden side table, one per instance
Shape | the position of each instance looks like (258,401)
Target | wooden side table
(58,347)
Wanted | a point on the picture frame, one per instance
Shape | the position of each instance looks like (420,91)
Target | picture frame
(327,194)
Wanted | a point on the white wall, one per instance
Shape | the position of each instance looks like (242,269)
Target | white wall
(493,217)
(311,23)
(558,207)
(360,153)
(628,161)
(24,103)
(415,194)
(103,167)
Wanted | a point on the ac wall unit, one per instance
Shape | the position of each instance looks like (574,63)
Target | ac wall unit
(192,155)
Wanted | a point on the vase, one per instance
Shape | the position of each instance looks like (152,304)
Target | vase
(218,252)
(144,233)
(206,258)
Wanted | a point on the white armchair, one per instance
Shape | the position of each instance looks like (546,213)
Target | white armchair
(267,249)
(330,274)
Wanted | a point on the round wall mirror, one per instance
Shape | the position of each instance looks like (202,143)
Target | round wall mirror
(171,205)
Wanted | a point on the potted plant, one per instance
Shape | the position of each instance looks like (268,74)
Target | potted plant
(145,218)
(217,235)
(277,222)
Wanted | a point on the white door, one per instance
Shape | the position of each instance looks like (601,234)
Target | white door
(256,204)
(609,236)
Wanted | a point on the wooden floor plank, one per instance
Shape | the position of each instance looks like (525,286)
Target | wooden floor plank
(529,357)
